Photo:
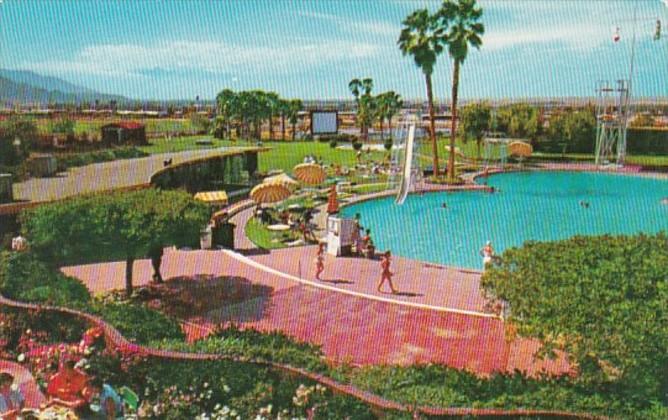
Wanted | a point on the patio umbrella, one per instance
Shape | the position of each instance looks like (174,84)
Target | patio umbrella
(270,192)
(282,179)
(218,198)
(310,173)
(520,148)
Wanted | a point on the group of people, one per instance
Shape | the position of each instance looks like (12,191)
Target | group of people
(70,388)
(362,243)
(385,263)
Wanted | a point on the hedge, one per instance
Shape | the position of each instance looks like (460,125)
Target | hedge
(647,141)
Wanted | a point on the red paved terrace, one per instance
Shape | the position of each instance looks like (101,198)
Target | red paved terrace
(355,329)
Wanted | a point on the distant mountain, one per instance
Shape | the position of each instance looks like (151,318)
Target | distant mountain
(20,86)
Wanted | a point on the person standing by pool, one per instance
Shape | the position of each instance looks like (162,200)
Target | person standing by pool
(320,261)
(386,275)
(487,253)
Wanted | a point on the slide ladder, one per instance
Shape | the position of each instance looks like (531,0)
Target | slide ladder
(407,170)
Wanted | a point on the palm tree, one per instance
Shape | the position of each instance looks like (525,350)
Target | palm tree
(355,85)
(422,37)
(283,109)
(365,103)
(294,107)
(394,104)
(272,102)
(225,103)
(462,18)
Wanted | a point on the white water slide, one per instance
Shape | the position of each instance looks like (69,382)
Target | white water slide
(407,169)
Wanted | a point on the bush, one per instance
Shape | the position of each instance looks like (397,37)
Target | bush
(357,145)
(388,144)
(26,278)
(139,323)
(332,143)
(583,294)
(647,140)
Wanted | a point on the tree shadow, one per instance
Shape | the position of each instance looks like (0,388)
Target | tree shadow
(216,299)
(253,251)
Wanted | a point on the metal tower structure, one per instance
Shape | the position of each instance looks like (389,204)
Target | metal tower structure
(611,121)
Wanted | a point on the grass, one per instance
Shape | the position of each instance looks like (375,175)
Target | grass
(92,126)
(266,239)
(180,144)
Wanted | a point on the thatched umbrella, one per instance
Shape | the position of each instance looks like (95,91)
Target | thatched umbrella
(270,192)
(310,173)
(283,179)
(520,148)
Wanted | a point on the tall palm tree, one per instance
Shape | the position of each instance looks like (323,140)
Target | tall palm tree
(355,85)
(462,17)
(422,37)
(394,104)
(365,103)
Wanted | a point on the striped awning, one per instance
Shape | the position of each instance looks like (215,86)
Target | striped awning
(212,197)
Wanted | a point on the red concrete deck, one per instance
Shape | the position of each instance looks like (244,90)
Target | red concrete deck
(349,328)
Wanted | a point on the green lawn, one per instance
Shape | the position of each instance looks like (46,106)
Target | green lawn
(180,144)
(266,239)
(92,126)
(285,155)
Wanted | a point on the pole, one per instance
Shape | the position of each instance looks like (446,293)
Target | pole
(621,152)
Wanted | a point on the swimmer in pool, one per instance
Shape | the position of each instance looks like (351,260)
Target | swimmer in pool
(584,204)
(444,205)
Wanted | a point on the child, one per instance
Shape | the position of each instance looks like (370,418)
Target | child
(386,274)
(320,261)
(11,399)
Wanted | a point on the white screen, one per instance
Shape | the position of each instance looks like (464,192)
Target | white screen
(323,123)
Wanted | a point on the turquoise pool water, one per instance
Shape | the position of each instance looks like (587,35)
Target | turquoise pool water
(540,206)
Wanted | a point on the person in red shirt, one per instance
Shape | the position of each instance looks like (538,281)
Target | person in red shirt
(68,387)
(386,275)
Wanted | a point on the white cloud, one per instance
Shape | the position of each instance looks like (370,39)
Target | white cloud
(369,27)
(132,60)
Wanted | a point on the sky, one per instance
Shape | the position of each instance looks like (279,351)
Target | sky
(311,49)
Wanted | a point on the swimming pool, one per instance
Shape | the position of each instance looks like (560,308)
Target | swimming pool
(541,206)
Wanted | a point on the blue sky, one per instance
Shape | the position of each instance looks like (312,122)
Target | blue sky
(311,49)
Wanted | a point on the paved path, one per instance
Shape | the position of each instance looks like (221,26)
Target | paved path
(349,328)
(106,176)
(26,383)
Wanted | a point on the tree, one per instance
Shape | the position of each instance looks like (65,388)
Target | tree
(17,135)
(642,120)
(226,102)
(475,121)
(273,109)
(118,224)
(603,300)
(388,104)
(284,110)
(365,103)
(294,107)
(462,18)
(422,37)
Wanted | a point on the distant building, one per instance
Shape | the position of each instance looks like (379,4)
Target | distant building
(124,132)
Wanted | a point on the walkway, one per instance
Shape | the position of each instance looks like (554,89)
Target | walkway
(349,328)
(106,176)
(26,383)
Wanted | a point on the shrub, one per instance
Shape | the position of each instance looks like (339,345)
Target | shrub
(357,145)
(139,323)
(583,294)
(388,144)
(333,143)
(26,278)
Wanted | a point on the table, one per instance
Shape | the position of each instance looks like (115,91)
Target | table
(278,228)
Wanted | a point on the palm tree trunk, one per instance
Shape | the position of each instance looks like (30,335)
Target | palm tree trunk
(432,123)
(294,130)
(381,130)
(271,127)
(453,127)
(129,263)
(283,127)
(389,126)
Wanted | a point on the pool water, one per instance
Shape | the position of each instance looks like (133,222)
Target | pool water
(540,206)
